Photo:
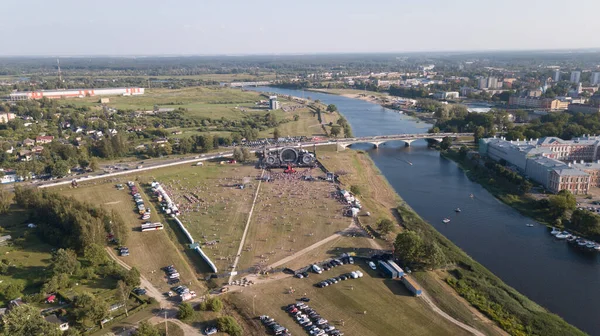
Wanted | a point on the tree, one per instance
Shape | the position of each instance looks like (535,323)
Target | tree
(26,320)
(185,311)
(335,131)
(5,201)
(89,309)
(385,225)
(65,261)
(331,108)
(296,117)
(146,329)
(238,155)
(95,254)
(94,164)
(215,304)
(434,130)
(446,143)
(434,257)
(246,156)
(132,277)
(478,133)
(560,203)
(276,134)
(229,325)
(124,292)
(12,290)
(185,145)
(408,247)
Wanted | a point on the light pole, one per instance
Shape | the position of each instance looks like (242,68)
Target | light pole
(166,325)
(253,311)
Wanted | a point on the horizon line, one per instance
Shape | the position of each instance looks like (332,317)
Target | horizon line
(466,51)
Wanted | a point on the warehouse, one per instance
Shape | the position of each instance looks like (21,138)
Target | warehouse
(75,93)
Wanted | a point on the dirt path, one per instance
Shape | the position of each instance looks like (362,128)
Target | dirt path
(310,248)
(239,252)
(450,319)
(187,329)
(151,290)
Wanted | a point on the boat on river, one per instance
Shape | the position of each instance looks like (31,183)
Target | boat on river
(471,196)
(457,210)
(563,235)
(554,231)
(529,225)
(446,220)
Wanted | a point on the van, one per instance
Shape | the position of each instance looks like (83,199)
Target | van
(372,265)
(317,269)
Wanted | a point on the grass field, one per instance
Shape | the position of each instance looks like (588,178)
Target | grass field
(199,101)
(144,254)
(291,214)
(26,254)
(390,309)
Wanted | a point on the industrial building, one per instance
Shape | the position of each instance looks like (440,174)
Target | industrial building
(555,163)
(6,117)
(75,93)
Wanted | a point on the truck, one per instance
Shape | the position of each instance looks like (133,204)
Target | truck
(390,270)
(412,286)
(188,296)
(397,268)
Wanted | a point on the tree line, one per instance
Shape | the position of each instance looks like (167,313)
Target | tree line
(67,222)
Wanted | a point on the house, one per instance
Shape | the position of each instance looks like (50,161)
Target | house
(62,324)
(8,177)
(28,142)
(44,139)
(15,303)
(25,155)
(37,149)
(160,141)
(6,117)
(113,131)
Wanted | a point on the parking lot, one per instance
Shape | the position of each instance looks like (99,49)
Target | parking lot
(371,305)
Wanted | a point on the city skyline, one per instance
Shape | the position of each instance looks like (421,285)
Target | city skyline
(71,28)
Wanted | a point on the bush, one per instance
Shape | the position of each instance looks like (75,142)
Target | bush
(185,311)
(355,190)
(229,325)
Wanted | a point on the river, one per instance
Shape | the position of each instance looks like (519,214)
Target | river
(552,273)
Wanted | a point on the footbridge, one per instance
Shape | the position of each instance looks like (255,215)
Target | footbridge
(376,141)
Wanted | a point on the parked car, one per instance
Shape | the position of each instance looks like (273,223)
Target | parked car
(210,330)
(372,265)
(139,291)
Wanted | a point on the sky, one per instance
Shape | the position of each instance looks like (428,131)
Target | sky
(242,27)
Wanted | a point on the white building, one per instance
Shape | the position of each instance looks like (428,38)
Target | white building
(79,93)
(446,95)
(575,77)
(595,79)
(556,77)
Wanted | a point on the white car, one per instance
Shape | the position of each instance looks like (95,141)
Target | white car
(210,330)
(372,265)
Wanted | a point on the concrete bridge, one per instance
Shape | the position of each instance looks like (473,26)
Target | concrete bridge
(406,138)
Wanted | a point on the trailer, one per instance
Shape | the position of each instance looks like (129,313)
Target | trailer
(388,270)
(395,266)
(152,226)
(412,285)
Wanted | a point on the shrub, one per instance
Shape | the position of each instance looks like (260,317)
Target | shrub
(229,325)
